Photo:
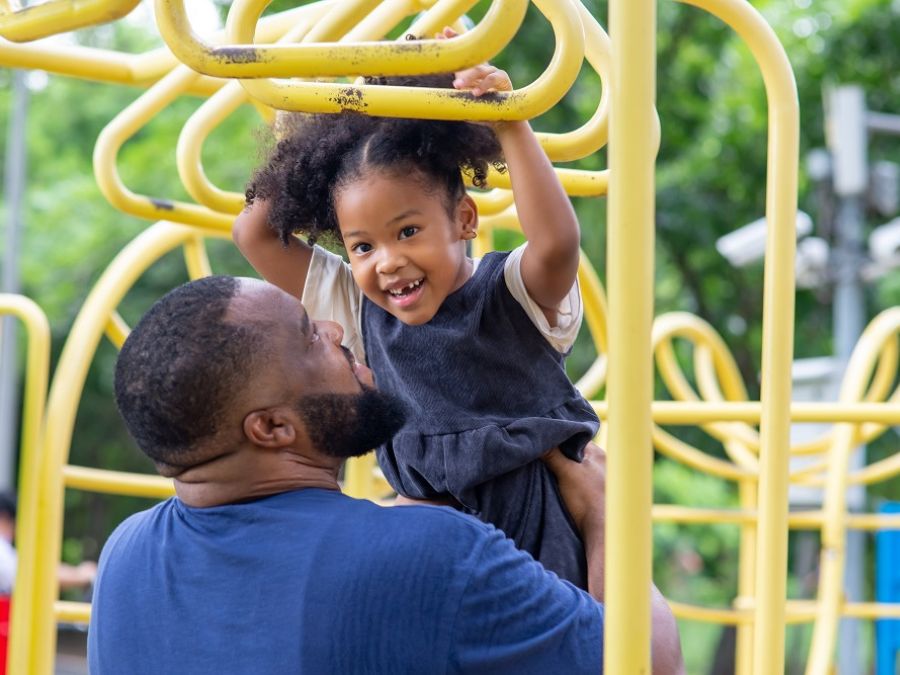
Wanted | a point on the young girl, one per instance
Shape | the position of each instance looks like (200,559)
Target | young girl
(474,348)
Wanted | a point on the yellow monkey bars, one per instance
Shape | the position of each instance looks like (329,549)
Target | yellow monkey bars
(339,39)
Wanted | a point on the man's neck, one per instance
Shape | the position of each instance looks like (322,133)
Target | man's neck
(250,474)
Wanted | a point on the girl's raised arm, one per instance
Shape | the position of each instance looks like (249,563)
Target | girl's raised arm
(550,261)
(283,266)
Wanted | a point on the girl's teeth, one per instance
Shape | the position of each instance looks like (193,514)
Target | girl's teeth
(406,289)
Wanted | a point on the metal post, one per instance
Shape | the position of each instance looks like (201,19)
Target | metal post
(14,190)
(630,237)
(848,141)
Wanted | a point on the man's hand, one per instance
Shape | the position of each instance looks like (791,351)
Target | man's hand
(583,486)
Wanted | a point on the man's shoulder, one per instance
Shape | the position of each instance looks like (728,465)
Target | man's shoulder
(139,521)
(439,526)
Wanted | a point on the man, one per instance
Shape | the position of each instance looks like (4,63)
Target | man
(261,565)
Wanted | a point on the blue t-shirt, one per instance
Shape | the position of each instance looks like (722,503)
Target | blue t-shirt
(313,581)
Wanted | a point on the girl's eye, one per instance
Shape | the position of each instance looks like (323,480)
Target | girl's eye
(407,232)
(314,336)
(361,248)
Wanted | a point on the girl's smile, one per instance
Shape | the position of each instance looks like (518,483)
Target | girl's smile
(405,243)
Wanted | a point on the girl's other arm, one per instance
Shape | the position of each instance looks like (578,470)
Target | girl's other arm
(283,266)
(550,261)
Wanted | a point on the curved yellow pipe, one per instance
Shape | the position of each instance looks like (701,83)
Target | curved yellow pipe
(59,16)
(243,59)
(119,130)
(830,597)
(62,405)
(427,103)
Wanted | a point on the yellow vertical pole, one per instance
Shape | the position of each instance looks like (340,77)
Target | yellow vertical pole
(630,277)
(743,661)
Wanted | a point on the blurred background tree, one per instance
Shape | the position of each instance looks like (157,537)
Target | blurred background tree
(710,180)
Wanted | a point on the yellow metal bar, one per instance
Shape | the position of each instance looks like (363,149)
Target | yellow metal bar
(117,330)
(492,202)
(797,520)
(749,500)
(630,264)
(244,59)
(562,147)
(72,612)
(125,125)
(595,312)
(576,182)
(427,103)
(677,449)
(62,405)
(364,480)
(778,326)
(212,113)
(441,13)
(831,579)
(130,120)
(690,413)
(196,259)
(60,16)
(37,368)
(117,482)
(385,17)
(796,611)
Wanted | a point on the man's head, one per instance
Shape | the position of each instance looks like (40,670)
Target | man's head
(222,364)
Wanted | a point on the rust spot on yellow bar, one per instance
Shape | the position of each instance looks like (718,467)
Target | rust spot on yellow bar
(236,54)
(351,98)
(162,204)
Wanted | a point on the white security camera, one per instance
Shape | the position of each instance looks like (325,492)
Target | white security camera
(884,249)
(747,244)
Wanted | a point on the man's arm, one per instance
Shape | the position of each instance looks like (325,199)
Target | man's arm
(583,488)
(516,617)
(283,266)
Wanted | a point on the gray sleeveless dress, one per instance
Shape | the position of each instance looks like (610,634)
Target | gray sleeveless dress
(488,396)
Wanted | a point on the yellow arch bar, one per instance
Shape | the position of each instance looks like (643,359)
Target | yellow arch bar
(57,16)
(37,370)
(333,59)
(427,103)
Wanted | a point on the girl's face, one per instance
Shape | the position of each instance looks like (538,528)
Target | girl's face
(406,251)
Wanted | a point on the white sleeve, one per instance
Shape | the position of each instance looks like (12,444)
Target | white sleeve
(569,313)
(331,294)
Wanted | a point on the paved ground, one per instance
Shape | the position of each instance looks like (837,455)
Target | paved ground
(71,652)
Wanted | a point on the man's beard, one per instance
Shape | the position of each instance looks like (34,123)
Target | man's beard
(350,425)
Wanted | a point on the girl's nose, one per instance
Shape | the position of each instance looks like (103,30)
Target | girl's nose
(330,330)
(389,262)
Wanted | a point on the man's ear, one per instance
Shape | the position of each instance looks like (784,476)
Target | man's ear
(467,217)
(271,428)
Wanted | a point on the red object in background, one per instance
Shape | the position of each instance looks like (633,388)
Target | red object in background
(4,631)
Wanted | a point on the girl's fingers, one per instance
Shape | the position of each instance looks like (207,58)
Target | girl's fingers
(481,79)
(497,81)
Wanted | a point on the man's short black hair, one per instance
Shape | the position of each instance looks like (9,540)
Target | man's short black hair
(179,368)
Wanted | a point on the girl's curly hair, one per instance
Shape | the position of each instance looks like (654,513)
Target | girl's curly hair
(324,152)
